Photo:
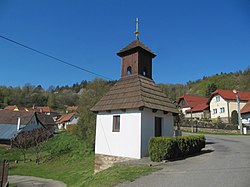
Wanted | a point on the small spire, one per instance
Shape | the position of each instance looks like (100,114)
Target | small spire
(137,28)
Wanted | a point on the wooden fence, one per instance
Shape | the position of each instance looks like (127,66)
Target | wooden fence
(4,166)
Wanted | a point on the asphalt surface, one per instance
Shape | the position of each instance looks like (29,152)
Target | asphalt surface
(225,162)
(28,181)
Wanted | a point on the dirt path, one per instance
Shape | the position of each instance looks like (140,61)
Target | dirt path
(27,181)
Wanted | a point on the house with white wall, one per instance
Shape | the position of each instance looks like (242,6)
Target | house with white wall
(194,106)
(223,102)
(134,110)
(67,119)
(245,112)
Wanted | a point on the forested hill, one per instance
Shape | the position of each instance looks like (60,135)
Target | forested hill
(239,80)
(60,97)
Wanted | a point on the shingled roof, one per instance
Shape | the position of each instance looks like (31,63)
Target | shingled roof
(10,117)
(135,91)
(134,45)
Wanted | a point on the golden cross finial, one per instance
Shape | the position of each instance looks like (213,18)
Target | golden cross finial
(137,28)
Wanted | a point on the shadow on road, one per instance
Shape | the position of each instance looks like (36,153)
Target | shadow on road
(209,143)
(193,155)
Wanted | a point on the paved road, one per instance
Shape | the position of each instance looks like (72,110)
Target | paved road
(28,181)
(227,166)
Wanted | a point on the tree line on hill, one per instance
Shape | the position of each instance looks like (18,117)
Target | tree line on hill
(61,96)
(58,97)
(239,80)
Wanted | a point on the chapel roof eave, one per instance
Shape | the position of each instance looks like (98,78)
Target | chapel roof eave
(133,46)
(134,92)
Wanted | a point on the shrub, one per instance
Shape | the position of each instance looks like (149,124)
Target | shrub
(163,148)
(72,129)
(234,117)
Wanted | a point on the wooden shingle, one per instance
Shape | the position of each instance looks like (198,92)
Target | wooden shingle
(135,91)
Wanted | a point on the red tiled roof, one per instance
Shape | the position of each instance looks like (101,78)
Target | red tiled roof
(193,100)
(72,108)
(15,108)
(246,108)
(66,117)
(44,109)
(10,107)
(198,108)
(230,95)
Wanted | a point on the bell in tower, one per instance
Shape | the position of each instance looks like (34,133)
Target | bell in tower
(136,58)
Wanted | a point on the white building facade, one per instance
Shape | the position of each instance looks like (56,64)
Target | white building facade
(223,103)
(134,110)
(135,129)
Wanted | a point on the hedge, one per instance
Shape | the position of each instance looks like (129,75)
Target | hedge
(164,148)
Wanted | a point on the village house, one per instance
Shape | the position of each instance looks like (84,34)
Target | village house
(14,122)
(245,113)
(223,102)
(15,108)
(46,110)
(134,110)
(47,121)
(71,109)
(67,119)
(193,106)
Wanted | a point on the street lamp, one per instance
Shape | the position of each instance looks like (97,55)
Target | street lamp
(239,116)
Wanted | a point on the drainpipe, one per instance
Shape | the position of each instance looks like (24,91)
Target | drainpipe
(18,123)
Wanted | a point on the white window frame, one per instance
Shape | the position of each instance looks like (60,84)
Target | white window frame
(222,110)
(217,98)
(215,111)
(116,125)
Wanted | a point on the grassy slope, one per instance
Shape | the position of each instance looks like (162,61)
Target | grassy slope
(69,160)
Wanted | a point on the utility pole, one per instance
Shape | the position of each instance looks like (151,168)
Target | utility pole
(239,115)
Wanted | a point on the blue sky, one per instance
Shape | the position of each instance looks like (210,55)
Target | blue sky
(191,38)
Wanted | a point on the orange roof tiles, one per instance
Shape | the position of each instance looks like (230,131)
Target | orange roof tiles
(246,108)
(66,117)
(230,95)
(198,108)
(72,108)
(44,109)
(193,100)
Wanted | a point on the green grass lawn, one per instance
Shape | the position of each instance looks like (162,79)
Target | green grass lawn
(67,159)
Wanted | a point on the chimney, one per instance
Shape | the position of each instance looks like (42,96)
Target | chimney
(18,123)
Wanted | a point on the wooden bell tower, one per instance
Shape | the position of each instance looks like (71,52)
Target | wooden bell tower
(136,58)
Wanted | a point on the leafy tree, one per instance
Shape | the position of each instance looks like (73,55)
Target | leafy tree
(210,89)
(234,117)
(89,97)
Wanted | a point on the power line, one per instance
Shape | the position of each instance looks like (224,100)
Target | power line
(55,58)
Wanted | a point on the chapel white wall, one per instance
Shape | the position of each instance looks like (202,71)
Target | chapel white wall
(125,143)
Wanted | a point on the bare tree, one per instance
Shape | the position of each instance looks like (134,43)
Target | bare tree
(38,137)
(22,142)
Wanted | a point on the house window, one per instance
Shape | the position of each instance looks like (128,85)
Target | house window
(217,98)
(222,110)
(214,111)
(116,123)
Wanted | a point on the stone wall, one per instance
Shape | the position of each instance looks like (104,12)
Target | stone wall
(212,130)
(103,162)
